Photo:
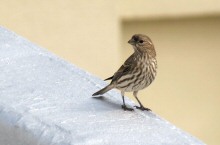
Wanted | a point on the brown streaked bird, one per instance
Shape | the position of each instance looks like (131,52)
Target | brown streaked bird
(137,72)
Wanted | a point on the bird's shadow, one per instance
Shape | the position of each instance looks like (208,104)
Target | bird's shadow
(109,104)
(106,103)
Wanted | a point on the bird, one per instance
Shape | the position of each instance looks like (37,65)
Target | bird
(137,72)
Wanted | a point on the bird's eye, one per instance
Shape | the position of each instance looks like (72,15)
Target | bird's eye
(141,41)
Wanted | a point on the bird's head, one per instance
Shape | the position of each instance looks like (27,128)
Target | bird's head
(142,44)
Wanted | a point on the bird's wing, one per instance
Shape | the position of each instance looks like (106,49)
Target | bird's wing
(124,69)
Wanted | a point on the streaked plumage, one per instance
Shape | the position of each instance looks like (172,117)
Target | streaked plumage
(137,72)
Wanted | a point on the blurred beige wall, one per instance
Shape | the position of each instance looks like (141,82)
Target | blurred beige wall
(93,35)
(82,32)
(130,9)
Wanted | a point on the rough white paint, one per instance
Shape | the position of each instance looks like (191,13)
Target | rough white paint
(46,101)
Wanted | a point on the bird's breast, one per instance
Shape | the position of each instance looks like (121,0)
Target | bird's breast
(142,75)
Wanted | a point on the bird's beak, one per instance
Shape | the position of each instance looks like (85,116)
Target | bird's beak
(131,41)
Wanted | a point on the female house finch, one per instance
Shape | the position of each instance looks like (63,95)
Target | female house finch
(137,72)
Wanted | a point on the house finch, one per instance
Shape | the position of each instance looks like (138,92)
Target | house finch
(137,72)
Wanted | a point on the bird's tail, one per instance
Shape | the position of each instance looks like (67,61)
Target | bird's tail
(104,90)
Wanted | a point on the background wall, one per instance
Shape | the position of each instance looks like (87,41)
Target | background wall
(81,32)
(94,35)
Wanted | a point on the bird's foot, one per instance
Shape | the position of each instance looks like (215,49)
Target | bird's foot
(127,108)
(142,108)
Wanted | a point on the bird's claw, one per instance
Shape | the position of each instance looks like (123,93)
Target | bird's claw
(142,108)
(127,108)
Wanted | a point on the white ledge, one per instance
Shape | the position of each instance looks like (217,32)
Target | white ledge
(44,100)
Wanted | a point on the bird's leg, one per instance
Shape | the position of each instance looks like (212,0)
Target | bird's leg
(124,106)
(141,107)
